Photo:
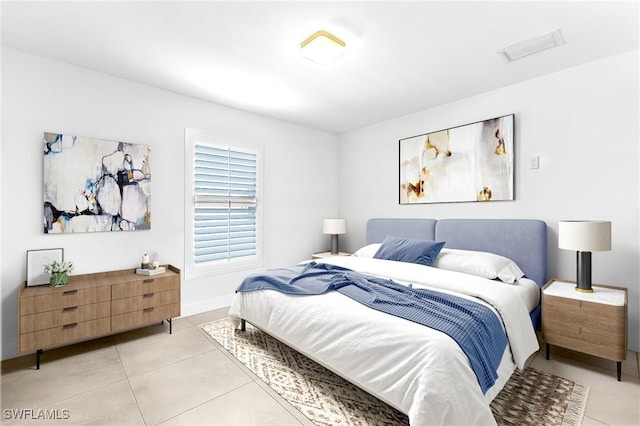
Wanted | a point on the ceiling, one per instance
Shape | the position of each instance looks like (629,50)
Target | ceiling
(402,57)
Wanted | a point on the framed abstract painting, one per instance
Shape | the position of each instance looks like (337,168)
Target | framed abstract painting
(473,162)
(95,185)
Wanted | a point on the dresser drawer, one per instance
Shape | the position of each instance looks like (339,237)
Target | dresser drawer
(145,286)
(59,317)
(63,334)
(64,298)
(144,316)
(147,300)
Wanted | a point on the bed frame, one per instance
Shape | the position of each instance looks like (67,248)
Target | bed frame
(523,241)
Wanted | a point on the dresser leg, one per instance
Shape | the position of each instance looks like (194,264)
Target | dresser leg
(170,325)
(547,348)
(38,353)
(619,368)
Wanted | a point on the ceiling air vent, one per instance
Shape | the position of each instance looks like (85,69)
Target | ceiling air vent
(531,46)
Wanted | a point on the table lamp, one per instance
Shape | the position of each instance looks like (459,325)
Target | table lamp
(334,227)
(584,236)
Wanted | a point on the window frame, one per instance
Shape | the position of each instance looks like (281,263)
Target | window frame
(192,270)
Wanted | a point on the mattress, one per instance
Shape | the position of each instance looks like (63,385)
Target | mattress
(528,291)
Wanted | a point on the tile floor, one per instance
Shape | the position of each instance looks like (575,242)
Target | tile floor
(147,376)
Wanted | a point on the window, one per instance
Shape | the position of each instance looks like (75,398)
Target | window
(223,211)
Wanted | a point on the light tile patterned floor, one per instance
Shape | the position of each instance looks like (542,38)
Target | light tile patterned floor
(147,376)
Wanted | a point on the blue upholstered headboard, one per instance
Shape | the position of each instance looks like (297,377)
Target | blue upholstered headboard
(421,229)
(523,241)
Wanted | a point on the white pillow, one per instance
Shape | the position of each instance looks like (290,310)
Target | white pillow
(480,263)
(368,250)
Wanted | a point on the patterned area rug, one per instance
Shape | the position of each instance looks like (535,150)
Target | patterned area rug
(531,397)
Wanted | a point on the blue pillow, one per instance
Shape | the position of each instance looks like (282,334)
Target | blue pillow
(422,252)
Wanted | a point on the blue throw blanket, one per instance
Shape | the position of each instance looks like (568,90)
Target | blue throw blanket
(475,328)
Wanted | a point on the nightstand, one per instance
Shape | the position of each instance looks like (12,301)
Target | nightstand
(592,323)
(325,254)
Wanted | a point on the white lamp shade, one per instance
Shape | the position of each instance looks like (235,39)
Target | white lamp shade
(584,235)
(334,226)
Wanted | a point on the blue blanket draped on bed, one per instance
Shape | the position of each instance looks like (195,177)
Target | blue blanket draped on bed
(476,329)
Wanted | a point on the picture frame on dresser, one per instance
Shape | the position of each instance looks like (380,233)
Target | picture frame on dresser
(36,259)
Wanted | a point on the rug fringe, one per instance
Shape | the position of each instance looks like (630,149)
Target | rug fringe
(577,406)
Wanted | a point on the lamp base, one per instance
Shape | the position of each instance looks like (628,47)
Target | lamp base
(334,244)
(583,266)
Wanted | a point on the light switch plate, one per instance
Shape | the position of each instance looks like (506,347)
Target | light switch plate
(534,162)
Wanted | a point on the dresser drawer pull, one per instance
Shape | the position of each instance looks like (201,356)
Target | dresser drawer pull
(148,309)
(148,295)
(70,325)
(69,292)
(147,281)
(70,308)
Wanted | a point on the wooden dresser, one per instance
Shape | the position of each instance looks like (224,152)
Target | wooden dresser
(94,305)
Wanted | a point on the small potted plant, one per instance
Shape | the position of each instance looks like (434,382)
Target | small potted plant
(58,272)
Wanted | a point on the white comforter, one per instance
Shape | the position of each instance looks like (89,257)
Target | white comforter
(420,371)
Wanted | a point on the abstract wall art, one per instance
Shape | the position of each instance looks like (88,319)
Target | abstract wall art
(95,185)
(473,162)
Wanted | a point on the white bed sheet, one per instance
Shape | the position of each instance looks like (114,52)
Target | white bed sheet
(528,291)
(420,371)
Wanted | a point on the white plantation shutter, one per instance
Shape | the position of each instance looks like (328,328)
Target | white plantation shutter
(225,223)
(225,204)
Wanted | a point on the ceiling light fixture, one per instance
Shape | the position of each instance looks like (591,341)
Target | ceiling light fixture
(531,46)
(322,47)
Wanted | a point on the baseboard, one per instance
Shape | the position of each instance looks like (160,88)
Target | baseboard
(206,305)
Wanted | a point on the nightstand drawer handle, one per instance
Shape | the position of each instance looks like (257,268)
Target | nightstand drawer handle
(70,325)
(148,309)
(148,295)
(70,308)
(147,281)
(69,292)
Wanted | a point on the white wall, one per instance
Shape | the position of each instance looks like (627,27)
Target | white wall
(41,95)
(582,122)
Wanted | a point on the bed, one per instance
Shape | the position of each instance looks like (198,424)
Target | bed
(423,372)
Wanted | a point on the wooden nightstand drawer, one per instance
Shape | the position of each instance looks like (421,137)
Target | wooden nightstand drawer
(147,285)
(144,316)
(147,300)
(64,297)
(64,334)
(580,337)
(596,315)
(50,319)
